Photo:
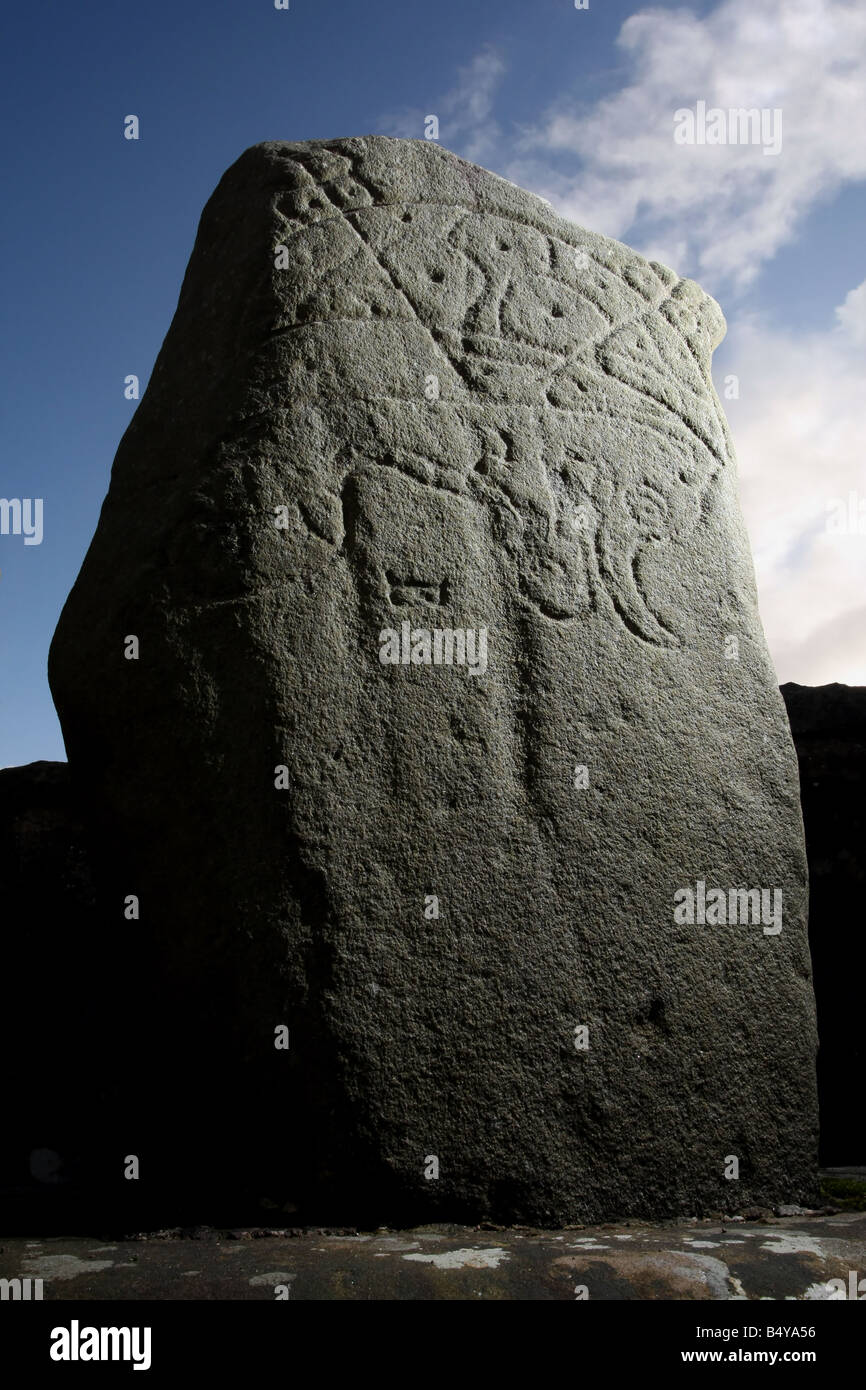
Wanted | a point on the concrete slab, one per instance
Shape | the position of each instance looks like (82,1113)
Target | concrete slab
(791,1257)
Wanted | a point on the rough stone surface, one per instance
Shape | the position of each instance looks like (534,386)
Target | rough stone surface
(807,1258)
(475,415)
(828,723)
(50,972)
(43,853)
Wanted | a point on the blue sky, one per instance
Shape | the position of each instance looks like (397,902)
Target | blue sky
(577,105)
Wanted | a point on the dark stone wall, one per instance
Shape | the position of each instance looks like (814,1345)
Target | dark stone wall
(46,1023)
(828,723)
(64,1024)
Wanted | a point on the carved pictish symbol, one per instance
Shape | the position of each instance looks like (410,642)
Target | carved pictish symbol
(551,370)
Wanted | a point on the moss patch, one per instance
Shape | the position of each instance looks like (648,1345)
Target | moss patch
(848,1193)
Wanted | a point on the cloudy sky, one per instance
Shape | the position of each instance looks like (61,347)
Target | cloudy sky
(576,104)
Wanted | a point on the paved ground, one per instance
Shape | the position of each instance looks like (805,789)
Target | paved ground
(774,1257)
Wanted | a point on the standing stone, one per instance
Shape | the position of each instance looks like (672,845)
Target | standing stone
(400,396)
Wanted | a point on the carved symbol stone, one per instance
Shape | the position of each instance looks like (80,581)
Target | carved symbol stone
(568,487)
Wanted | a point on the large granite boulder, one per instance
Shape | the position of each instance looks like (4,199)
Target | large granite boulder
(828,723)
(421,937)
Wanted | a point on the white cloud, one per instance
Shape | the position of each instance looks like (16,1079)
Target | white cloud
(800,434)
(464,112)
(852,315)
(715,211)
(466,109)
